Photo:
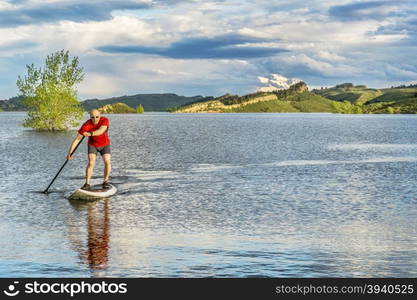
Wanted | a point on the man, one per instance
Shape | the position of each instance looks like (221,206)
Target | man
(96,129)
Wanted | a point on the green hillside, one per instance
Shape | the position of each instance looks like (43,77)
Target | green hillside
(310,102)
(389,100)
(402,106)
(345,98)
(267,106)
(358,94)
(297,98)
(402,100)
(303,102)
(396,94)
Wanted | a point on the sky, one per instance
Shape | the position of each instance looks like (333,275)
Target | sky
(210,48)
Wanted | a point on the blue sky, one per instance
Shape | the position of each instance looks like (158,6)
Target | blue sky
(211,47)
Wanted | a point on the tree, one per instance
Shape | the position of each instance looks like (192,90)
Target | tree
(357,109)
(344,107)
(49,93)
(140,109)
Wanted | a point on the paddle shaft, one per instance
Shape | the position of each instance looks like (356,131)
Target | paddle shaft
(45,191)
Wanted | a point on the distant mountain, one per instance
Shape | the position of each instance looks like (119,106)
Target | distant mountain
(150,102)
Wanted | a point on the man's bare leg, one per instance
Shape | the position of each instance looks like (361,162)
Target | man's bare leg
(90,167)
(107,166)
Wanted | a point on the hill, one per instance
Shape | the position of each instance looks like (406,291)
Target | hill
(395,100)
(150,102)
(297,98)
(396,95)
(390,100)
(359,94)
(224,103)
(12,104)
(117,108)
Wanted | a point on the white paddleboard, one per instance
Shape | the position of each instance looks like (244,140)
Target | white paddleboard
(96,192)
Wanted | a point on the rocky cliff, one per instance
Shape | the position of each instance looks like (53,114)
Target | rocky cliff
(117,108)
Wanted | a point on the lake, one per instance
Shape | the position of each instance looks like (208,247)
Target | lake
(216,195)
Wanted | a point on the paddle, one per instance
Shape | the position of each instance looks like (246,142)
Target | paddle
(46,191)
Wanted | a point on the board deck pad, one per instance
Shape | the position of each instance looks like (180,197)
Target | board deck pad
(96,192)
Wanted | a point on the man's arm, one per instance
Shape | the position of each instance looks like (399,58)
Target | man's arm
(99,131)
(73,145)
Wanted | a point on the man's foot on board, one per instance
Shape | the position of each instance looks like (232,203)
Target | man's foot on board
(106,185)
(86,187)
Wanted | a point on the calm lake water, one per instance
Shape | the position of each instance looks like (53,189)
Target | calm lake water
(216,195)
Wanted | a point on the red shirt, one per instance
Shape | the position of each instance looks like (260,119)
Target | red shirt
(99,140)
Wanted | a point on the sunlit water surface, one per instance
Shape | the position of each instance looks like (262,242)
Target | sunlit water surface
(216,195)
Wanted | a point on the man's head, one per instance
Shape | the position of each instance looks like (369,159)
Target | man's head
(94,116)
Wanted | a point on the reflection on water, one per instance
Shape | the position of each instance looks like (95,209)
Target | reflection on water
(219,195)
(93,249)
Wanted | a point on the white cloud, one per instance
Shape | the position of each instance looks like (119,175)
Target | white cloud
(98,85)
(276,82)
(263,79)
(325,68)
(84,37)
(329,56)
(6,5)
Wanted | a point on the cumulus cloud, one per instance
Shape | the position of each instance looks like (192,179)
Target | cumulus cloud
(99,85)
(276,82)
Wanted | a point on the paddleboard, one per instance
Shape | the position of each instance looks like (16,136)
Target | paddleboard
(96,192)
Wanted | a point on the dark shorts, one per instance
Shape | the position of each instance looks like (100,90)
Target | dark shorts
(102,150)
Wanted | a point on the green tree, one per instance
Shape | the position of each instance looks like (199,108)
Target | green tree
(49,93)
(140,109)
(346,107)
(342,107)
(357,109)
